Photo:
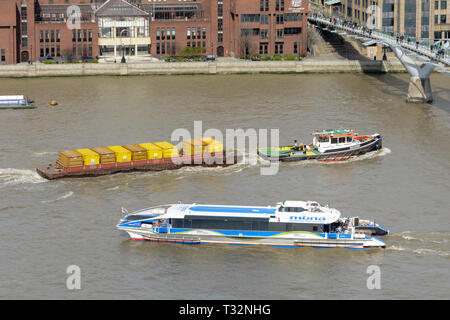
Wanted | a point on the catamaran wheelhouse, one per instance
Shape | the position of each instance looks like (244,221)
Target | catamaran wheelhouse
(289,223)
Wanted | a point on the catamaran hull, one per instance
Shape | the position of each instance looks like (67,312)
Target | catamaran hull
(340,155)
(288,239)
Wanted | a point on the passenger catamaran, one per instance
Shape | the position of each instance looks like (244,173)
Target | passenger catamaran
(289,223)
(327,145)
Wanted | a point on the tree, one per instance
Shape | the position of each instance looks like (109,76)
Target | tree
(246,43)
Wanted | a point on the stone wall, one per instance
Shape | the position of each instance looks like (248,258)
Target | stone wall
(218,67)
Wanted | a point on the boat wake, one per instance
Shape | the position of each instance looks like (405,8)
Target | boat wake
(11,176)
(44,153)
(429,243)
(370,155)
(65,196)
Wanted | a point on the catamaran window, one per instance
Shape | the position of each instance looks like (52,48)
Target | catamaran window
(349,139)
(322,139)
(342,140)
(133,217)
(227,223)
(333,140)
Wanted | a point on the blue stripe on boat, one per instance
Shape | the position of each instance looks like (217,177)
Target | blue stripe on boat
(233,209)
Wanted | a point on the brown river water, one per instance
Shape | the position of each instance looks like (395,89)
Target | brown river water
(46,226)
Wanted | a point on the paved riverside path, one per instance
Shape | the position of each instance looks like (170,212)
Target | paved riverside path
(228,66)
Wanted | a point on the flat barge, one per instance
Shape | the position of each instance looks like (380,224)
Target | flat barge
(143,157)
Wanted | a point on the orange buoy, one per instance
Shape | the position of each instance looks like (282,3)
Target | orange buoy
(53,103)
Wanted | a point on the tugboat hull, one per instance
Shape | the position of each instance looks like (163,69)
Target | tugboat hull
(337,155)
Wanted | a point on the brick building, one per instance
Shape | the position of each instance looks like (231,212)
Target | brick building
(33,29)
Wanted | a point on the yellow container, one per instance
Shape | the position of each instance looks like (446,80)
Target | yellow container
(168,149)
(89,157)
(213,145)
(70,158)
(122,154)
(106,155)
(137,152)
(195,146)
(153,152)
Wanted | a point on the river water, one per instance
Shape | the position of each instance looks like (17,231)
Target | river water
(47,226)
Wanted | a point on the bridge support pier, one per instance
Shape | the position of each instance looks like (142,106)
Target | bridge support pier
(419,84)
(419,90)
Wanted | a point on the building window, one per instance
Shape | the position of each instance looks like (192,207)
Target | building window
(199,33)
(163,48)
(220,24)
(263,48)
(250,17)
(158,34)
(220,37)
(188,35)
(41,36)
(3,55)
(279,18)
(24,42)
(264,34)
(280,33)
(278,47)
(74,36)
(79,35)
(277,5)
(23,13)
(173,33)
(282,5)
(261,5)
(85,35)
(42,52)
(90,35)
(47,36)
(158,48)
(266,5)
(219,9)
(163,34)
(204,33)
(295,47)
(264,19)
(52,35)
(444,4)
(58,51)
(58,36)
(24,28)
(443,19)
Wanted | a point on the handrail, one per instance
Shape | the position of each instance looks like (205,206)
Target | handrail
(441,56)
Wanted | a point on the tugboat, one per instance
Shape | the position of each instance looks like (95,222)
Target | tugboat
(327,145)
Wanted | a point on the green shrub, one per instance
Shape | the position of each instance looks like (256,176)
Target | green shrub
(48,62)
(290,57)
(276,57)
(265,58)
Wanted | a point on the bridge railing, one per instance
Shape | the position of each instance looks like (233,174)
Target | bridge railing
(434,51)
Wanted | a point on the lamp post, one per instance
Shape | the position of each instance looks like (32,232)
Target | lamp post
(123,51)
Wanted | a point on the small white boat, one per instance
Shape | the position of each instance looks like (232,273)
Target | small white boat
(289,223)
(15,102)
